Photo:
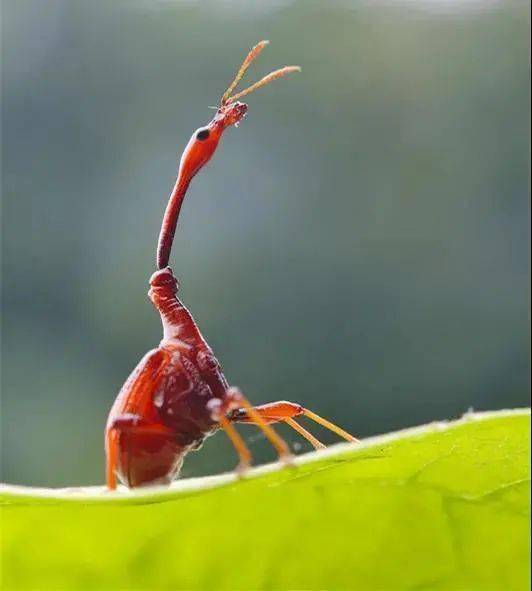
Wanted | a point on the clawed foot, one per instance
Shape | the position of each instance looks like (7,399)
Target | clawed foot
(242,469)
(287,459)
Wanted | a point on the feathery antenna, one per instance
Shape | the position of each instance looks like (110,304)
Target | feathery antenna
(227,98)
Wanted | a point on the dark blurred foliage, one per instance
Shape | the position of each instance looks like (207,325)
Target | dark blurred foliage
(359,244)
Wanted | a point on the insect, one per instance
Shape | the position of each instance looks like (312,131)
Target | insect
(178,395)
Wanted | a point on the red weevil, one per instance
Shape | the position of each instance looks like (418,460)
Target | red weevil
(178,395)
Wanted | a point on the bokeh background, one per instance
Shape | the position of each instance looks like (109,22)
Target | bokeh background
(359,244)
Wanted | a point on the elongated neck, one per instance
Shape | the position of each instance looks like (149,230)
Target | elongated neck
(197,153)
(171,215)
(177,321)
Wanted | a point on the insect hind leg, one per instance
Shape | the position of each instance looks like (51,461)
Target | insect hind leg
(127,463)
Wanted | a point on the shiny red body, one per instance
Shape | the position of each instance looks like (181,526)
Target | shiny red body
(177,395)
(164,409)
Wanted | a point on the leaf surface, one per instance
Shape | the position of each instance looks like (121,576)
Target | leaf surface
(444,506)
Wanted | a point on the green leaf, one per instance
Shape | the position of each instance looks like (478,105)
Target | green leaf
(445,506)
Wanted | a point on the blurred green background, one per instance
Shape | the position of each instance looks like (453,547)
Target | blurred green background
(359,244)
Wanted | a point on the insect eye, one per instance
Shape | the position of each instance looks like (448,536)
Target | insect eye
(202,134)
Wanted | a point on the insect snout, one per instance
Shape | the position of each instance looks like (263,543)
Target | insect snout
(232,113)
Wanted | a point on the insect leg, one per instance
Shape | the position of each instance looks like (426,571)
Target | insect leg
(274,412)
(328,425)
(111,446)
(124,424)
(241,448)
(316,444)
(237,399)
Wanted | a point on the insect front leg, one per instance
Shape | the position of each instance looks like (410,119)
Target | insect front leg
(222,410)
(237,400)
(284,411)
